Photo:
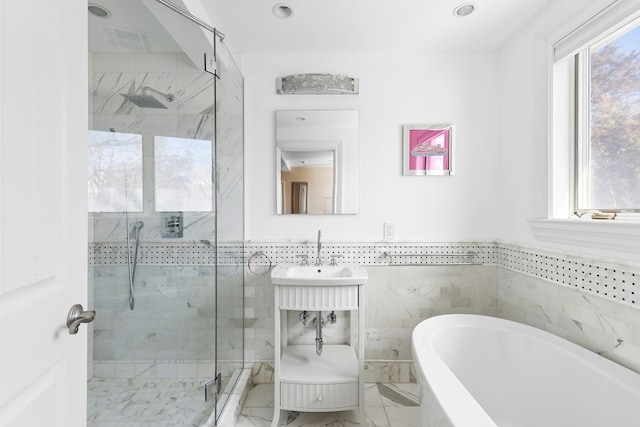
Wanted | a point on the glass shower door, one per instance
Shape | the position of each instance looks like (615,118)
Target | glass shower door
(169,196)
(229,173)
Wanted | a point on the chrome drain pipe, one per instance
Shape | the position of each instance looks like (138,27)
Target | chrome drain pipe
(318,323)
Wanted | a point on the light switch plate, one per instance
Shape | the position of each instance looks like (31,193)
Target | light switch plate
(389,232)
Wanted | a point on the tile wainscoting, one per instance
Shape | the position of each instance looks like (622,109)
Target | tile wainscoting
(584,299)
(581,298)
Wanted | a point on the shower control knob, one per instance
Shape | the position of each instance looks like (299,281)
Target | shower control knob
(319,398)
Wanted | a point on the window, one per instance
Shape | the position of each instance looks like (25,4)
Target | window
(183,179)
(595,104)
(183,174)
(607,113)
(115,172)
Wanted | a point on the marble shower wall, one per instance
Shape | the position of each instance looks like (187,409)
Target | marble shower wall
(190,115)
(173,318)
(171,331)
(229,148)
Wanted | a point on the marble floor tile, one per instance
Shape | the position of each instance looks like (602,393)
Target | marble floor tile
(255,417)
(386,405)
(170,402)
(372,395)
(403,416)
(260,396)
(403,394)
(146,402)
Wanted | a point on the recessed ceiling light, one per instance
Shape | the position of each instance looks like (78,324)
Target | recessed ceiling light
(282,10)
(99,11)
(464,9)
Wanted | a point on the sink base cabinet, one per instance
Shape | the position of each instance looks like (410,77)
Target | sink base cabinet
(318,397)
(332,381)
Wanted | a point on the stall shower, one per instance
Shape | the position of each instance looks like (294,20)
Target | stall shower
(166,232)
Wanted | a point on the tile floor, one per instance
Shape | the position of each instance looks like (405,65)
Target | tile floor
(145,402)
(386,405)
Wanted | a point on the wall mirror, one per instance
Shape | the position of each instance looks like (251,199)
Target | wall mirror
(317,164)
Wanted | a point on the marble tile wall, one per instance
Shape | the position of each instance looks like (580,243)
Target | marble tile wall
(174,314)
(190,115)
(525,284)
(397,297)
(229,147)
(173,318)
(585,300)
(193,114)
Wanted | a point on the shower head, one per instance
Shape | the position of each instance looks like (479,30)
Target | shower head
(147,101)
(143,101)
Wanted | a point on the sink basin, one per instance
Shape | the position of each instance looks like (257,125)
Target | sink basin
(323,275)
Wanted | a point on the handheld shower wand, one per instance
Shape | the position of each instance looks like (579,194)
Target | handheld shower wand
(135,232)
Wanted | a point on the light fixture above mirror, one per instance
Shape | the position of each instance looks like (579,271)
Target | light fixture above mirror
(317,84)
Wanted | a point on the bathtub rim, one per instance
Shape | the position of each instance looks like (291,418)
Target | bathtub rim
(443,384)
(451,394)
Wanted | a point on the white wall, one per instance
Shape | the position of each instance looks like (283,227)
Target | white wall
(394,90)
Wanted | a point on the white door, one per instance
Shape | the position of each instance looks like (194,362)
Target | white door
(43,220)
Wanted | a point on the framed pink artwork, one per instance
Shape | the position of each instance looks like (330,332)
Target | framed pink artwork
(428,149)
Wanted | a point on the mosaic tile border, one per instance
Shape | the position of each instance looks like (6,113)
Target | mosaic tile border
(204,253)
(378,253)
(610,279)
(615,281)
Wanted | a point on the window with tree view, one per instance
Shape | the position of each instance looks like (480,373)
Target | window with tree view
(608,151)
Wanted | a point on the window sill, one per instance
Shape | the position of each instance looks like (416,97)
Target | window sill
(615,237)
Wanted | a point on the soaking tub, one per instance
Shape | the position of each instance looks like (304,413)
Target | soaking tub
(480,371)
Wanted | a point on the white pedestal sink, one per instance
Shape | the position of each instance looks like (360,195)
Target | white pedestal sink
(333,380)
(323,275)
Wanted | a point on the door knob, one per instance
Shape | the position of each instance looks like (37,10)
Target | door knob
(77,316)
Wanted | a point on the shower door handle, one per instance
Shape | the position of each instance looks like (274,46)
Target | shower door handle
(76,316)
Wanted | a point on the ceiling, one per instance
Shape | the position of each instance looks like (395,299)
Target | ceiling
(130,28)
(367,26)
(327,26)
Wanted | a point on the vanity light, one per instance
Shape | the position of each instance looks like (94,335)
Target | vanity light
(314,83)
(282,10)
(464,9)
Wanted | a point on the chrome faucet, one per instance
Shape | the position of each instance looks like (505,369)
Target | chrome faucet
(318,260)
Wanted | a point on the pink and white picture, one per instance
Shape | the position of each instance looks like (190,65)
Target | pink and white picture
(428,149)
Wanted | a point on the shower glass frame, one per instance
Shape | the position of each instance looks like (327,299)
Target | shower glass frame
(203,272)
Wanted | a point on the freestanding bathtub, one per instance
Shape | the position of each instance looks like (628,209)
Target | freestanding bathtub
(480,371)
